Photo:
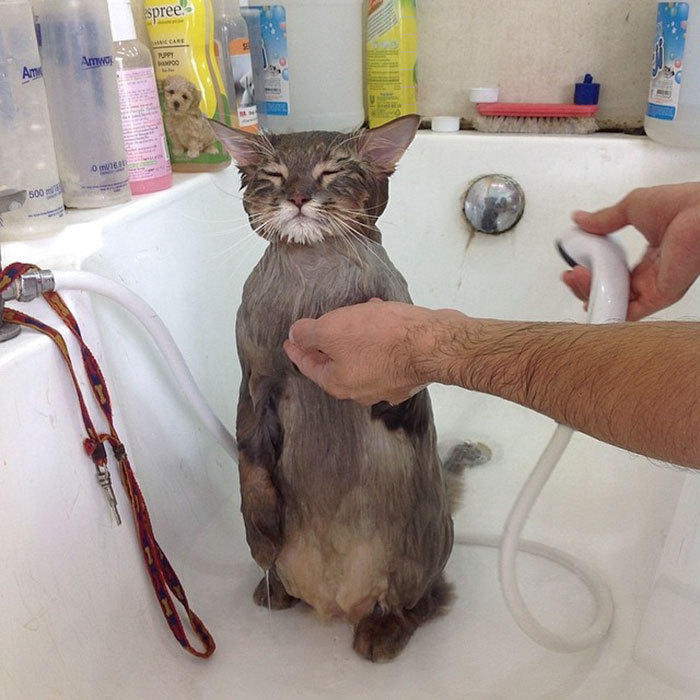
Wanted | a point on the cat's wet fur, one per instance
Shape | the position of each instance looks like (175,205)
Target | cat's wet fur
(346,506)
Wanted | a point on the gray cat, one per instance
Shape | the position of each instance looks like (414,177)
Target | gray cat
(347,507)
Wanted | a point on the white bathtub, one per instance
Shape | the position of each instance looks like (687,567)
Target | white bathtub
(79,619)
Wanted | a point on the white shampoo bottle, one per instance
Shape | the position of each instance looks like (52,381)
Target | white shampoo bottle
(673,106)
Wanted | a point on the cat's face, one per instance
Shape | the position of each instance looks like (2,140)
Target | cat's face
(303,188)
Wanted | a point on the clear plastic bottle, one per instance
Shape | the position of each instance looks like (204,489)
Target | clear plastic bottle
(30,192)
(673,108)
(232,49)
(148,160)
(75,43)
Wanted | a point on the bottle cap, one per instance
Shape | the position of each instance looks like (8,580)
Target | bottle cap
(122,20)
(483,94)
(587,92)
(444,124)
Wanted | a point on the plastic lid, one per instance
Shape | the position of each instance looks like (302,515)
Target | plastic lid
(444,124)
(122,20)
(483,94)
(587,92)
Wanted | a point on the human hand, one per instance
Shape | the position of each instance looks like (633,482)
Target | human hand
(669,218)
(371,352)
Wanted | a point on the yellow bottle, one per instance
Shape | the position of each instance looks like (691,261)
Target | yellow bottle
(391,51)
(189,80)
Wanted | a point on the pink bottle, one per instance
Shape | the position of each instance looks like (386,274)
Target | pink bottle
(148,160)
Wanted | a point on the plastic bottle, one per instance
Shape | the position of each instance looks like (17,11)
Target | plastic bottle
(251,15)
(75,43)
(192,89)
(673,108)
(391,52)
(232,49)
(30,192)
(147,157)
(313,65)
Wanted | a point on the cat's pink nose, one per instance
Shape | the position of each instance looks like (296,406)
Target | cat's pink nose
(299,199)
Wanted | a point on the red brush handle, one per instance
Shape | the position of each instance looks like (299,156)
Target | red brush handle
(535,109)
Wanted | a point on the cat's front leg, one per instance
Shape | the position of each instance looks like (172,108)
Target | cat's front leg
(259,436)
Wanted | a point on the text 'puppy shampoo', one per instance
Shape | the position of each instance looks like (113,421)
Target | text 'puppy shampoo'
(192,88)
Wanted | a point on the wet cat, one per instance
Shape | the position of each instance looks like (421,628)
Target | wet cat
(347,507)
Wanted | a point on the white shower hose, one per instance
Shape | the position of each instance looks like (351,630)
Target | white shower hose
(509,544)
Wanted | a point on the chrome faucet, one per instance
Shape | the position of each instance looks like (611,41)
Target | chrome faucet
(7,330)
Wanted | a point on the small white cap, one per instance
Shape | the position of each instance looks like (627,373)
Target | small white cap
(122,20)
(450,123)
(482,94)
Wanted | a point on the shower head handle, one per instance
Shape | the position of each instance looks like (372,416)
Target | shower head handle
(609,273)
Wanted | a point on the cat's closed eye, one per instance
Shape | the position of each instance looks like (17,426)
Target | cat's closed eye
(273,173)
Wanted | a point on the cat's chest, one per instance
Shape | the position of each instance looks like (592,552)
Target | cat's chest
(289,284)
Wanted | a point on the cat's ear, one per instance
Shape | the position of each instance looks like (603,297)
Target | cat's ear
(243,147)
(385,144)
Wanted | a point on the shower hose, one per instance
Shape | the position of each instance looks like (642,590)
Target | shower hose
(509,544)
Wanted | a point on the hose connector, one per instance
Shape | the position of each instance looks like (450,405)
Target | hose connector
(29,286)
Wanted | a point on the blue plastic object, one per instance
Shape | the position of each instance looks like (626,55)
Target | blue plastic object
(587,92)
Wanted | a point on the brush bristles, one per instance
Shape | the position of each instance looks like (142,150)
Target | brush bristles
(535,125)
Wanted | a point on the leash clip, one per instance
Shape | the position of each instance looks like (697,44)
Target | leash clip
(104,479)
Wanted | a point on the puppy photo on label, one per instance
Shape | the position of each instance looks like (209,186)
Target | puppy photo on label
(188,129)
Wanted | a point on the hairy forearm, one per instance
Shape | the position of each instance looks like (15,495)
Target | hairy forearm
(633,385)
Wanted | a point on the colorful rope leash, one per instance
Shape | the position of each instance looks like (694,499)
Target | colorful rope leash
(163,577)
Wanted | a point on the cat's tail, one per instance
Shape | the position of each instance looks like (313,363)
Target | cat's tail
(462,455)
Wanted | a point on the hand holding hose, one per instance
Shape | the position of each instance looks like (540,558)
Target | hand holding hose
(669,218)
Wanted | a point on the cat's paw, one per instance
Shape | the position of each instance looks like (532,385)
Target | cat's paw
(380,637)
(278,598)
(264,535)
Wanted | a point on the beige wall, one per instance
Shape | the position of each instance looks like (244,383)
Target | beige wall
(535,50)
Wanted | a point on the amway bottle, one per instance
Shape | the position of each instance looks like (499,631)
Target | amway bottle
(30,193)
(147,157)
(75,43)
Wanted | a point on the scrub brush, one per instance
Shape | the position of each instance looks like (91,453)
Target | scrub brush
(538,118)
(535,118)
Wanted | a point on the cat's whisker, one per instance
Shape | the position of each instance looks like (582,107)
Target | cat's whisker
(368,245)
(199,219)
(228,193)
(232,246)
(345,237)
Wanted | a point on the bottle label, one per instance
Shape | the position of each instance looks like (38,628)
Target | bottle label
(273,26)
(17,205)
(242,68)
(391,60)
(190,82)
(667,61)
(144,138)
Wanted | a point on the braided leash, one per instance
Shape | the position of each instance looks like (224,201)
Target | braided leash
(163,577)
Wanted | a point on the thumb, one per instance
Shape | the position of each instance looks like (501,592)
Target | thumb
(311,363)
(602,221)
(304,333)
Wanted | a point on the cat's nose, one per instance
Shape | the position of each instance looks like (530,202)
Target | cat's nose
(298,199)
